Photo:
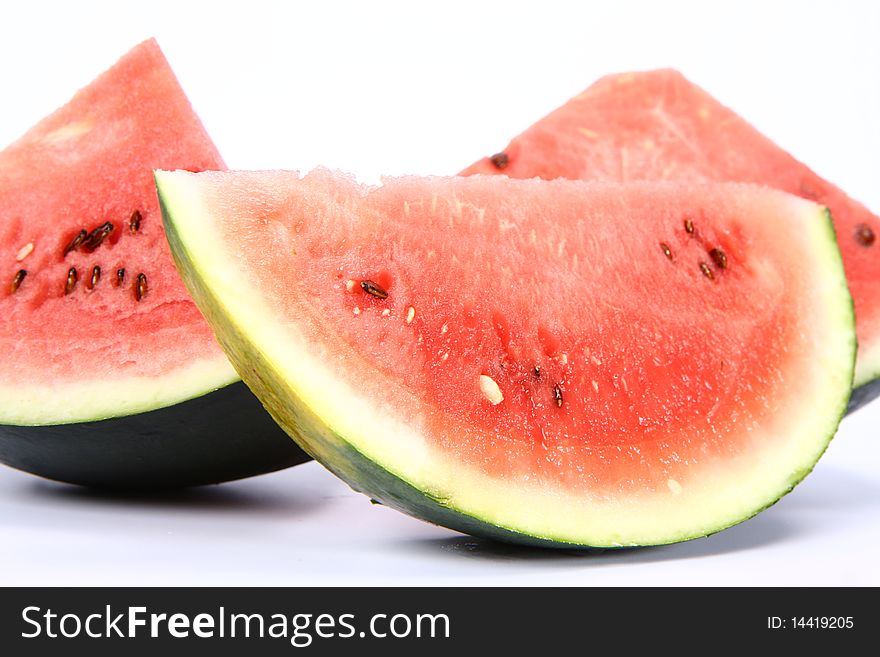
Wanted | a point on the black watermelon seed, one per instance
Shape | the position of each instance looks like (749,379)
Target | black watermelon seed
(96,276)
(707,271)
(75,242)
(719,257)
(140,287)
(18,279)
(500,160)
(71,280)
(688,226)
(93,241)
(374,289)
(557,394)
(134,224)
(666,250)
(120,277)
(537,371)
(865,235)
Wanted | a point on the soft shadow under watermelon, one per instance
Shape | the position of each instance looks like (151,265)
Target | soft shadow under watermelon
(217,501)
(762,530)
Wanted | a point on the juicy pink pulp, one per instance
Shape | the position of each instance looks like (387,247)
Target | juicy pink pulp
(620,366)
(89,163)
(657,125)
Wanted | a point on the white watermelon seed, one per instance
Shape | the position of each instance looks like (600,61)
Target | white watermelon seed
(24,251)
(674,486)
(490,390)
(410,315)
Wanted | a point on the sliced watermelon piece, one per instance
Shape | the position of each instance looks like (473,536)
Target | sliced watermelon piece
(657,125)
(108,367)
(551,362)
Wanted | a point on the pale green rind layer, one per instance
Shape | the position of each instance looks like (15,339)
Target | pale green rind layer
(386,457)
(867,377)
(68,402)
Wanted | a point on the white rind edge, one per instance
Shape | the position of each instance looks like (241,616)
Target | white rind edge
(89,401)
(720,498)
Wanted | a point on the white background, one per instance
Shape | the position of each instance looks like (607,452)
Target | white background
(425,88)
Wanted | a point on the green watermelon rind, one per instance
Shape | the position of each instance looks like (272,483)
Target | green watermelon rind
(370,477)
(222,435)
(35,407)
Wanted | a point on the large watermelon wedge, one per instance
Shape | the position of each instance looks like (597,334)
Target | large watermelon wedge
(657,125)
(550,362)
(109,376)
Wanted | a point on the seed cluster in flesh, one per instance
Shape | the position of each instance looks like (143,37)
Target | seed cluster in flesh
(79,215)
(717,256)
(89,242)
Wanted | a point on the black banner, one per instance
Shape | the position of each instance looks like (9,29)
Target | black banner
(424,621)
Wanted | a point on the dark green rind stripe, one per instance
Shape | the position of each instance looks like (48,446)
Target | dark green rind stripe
(223,435)
(365,475)
(863,394)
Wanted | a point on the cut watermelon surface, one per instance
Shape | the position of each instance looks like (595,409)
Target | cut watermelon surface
(101,343)
(657,125)
(550,362)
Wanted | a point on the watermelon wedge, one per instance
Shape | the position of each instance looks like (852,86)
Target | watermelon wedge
(657,125)
(109,375)
(563,363)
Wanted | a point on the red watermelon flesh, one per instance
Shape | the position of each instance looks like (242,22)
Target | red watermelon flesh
(657,125)
(80,338)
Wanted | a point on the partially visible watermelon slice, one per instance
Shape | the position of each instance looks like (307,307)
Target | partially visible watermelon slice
(657,125)
(571,362)
(100,342)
